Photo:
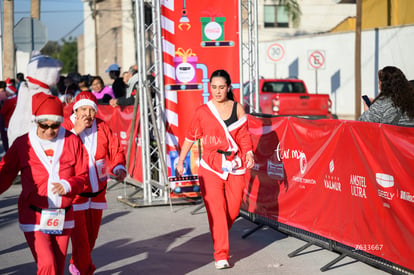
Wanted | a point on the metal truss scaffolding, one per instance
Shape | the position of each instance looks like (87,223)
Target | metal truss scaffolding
(154,188)
(249,54)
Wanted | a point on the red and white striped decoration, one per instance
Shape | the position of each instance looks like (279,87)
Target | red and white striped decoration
(171,104)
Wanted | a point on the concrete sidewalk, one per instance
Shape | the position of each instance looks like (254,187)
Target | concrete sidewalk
(156,240)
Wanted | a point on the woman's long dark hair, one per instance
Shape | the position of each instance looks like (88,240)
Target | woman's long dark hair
(394,84)
(226,76)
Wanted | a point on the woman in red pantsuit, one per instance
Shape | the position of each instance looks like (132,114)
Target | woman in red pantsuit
(227,152)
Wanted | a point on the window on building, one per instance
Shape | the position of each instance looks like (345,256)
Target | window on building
(276,16)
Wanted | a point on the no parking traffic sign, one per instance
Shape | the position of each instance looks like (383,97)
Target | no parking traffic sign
(275,52)
(317,59)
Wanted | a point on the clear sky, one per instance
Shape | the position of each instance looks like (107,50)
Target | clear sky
(62,18)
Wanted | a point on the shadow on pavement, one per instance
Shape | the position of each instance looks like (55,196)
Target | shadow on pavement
(159,255)
(8,210)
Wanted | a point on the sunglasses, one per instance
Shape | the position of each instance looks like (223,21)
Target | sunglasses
(52,126)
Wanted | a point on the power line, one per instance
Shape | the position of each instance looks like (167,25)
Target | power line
(77,26)
(50,11)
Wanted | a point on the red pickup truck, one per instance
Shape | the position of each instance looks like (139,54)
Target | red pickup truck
(289,97)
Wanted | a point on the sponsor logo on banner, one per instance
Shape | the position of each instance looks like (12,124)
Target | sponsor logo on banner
(386,183)
(303,163)
(331,166)
(358,186)
(289,154)
(295,154)
(332,182)
(406,196)
(384,180)
(303,180)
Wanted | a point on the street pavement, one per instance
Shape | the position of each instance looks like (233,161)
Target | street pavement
(164,240)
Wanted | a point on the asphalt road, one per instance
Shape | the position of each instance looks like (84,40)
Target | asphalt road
(164,240)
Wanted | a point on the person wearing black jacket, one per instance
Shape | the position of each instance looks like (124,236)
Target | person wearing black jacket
(131,90)
(118,86)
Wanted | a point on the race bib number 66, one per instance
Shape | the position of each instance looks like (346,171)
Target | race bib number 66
(52,221)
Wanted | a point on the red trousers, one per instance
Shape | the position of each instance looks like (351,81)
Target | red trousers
(222,199)
(84,235)
(49,251)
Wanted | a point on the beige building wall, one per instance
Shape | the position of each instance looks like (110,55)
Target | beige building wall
(317,16)
(81,55)
(128,35)
(87,48)
(115,39)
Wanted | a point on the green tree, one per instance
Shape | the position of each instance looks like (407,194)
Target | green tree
(69,55)
(52,48)
(66,52)
(293,9)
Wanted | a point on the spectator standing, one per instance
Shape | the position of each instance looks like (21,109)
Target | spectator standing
(11,86)
(19,80)
(105,154)
(125,77)
(3,95)
(395,102)
(84,83)
(71,88)
(227,153)
(53,169)
(6,111)
(118,85)
(129,98)
(102,93)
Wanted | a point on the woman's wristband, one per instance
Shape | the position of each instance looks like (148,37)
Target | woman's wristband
(251,153)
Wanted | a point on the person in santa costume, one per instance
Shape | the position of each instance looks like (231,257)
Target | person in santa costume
(227,153)
(6,111)
(42,73)
(105,154)
(53,170)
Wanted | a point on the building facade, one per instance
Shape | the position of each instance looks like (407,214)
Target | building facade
(109,35)
(109,26)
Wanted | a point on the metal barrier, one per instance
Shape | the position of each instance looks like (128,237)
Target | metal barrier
(314,239)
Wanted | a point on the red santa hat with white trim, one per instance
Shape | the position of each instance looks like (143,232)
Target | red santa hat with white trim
(10,88)
(85,98)
(47,107)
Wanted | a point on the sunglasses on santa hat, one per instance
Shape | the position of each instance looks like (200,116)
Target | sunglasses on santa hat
(53,126)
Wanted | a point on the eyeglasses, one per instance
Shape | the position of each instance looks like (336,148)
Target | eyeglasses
(52,126)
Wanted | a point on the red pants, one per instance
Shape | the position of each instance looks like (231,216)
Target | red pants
(222,199)
(49,251)
(84,235)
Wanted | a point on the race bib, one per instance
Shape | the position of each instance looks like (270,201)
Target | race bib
(52,221)
(101,167)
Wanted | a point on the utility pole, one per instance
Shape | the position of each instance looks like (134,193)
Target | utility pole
(8,40)
(94,15)
(35,9)
(358,59)
(389,12)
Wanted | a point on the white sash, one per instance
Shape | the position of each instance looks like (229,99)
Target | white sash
(232,167)
(89,141)
(54,200)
